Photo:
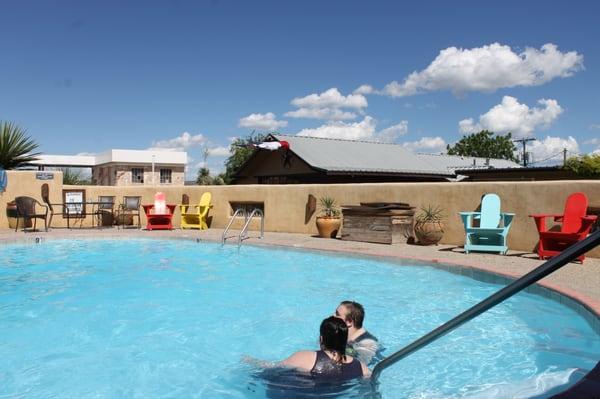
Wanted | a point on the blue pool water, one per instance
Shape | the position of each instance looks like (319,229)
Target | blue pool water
(170,318)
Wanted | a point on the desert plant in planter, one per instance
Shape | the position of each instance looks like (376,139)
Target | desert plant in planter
(429,226)
(328,224)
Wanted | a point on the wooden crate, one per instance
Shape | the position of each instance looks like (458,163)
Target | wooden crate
(385,226)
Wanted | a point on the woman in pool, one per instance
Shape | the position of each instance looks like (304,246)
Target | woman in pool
(331,361)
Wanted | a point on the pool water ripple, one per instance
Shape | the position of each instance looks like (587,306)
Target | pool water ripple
(170,318)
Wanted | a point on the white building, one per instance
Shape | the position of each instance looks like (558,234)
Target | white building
(124,167)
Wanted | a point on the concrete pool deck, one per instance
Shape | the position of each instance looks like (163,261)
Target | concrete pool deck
(580,282)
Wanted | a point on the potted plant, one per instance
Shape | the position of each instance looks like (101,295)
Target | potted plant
(12,215)
(429,226)
(329,222)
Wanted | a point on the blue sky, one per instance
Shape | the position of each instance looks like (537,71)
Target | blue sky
(85,77)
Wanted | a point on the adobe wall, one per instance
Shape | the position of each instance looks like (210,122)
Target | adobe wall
(285,204)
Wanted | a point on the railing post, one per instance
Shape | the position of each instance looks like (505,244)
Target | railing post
(224,235)
(243,233)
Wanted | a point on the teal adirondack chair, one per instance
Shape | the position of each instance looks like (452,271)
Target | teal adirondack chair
(493,228)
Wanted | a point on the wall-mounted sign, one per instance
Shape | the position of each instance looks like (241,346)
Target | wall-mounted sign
(44,176)
(74,203)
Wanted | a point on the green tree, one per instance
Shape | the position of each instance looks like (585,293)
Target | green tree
(585,166)
(240,151)
(205,179)
(74,177)
(484,144)
(16,148)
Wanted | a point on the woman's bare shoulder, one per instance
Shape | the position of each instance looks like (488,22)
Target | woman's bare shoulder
(304,360)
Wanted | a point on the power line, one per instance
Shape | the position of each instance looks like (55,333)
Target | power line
(524,142)
(546,159)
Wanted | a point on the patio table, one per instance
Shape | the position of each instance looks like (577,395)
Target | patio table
(78,209)
(159,221)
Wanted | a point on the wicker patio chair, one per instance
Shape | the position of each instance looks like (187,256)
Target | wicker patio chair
(46,199)
(29,208)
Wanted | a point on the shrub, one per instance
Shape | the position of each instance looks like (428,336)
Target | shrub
(585,166)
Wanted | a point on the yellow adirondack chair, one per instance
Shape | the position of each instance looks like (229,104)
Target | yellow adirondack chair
(194,216)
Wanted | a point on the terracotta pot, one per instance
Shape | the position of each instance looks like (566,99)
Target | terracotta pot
(11,214)
(429,233)
(328,226)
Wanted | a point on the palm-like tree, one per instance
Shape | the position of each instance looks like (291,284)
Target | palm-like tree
(16,148)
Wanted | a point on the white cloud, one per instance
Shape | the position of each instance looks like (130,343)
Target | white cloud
(512,116)
(392,133)
(594,141)
(427,144)
(595,126)
(180,143)
(329,105)
(219,151)
(331,98)
(487,69)
(321,113)
(363,130)
(552,148)
(266,122)
(364,89)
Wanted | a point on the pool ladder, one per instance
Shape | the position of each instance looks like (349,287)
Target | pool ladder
(243,235)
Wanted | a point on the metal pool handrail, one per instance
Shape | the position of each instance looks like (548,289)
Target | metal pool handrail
(244,233)
(555,263)
(224,237)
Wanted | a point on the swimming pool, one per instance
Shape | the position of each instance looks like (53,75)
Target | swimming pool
(173,318)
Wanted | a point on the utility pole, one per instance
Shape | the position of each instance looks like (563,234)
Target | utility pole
(153,179)
(564,156)
(524,142)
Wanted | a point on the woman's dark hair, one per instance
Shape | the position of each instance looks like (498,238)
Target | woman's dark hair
(334,335)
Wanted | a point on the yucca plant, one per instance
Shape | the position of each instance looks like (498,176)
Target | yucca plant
(329,207)
(429,228)
(430,214)
(16,148)
(328,224)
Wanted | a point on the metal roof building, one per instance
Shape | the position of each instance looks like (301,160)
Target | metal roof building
(321,160)
(455,163)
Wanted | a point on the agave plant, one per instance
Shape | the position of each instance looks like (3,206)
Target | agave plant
(16,148)
(430,214)
(328,207)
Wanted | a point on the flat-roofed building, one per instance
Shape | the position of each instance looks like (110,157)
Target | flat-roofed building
(124,167)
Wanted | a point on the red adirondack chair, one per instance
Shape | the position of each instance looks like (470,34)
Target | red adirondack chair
(575,226)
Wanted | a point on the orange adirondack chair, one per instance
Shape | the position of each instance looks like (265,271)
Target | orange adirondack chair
(575,226)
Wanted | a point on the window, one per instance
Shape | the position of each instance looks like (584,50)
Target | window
(137,175)
(247,207)
(165,175)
